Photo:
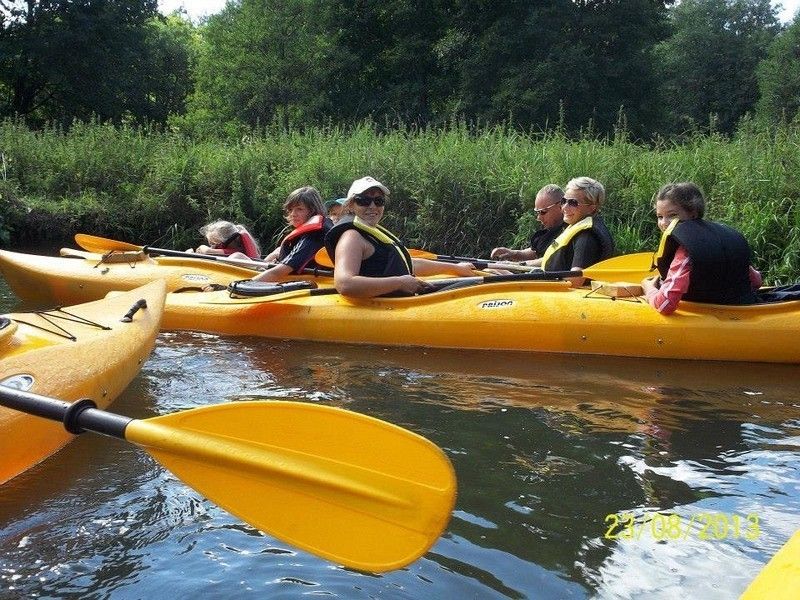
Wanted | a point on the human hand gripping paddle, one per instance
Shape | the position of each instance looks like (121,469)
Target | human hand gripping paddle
(350,488)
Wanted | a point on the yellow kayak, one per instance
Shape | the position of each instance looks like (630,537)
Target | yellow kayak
(80,276)
(82,351)
(537,316)
(780,578)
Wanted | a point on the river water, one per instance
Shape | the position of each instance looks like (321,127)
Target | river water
(552,455)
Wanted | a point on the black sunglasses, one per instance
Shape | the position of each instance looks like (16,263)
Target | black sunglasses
(574,202)
(363,201)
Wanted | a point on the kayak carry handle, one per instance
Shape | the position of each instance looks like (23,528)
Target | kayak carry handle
(140,303)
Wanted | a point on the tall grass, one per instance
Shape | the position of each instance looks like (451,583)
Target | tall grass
(454,190)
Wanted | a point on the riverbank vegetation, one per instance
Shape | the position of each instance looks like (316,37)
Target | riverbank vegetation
(454,189)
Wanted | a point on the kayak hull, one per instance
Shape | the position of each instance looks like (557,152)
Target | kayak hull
(84,276)
(518,316)
(97,364)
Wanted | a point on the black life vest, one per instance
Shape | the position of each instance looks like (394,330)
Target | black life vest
(720,261)
(558,256)
(390,257)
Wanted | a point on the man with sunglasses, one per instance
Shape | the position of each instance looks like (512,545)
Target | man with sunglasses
(547,209)
(369,260)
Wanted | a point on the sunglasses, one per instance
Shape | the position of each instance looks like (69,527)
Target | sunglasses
(543,211)
(363,201)
(573,202)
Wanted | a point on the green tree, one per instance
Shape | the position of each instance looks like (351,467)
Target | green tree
(779,78)
(62,59)
(554,61)
(391,72)
(708,64)
(264,62)
(165,73)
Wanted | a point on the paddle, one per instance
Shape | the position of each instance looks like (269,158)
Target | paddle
(350,488)
(628,267)
(102,245)
(635,266)
(322,258)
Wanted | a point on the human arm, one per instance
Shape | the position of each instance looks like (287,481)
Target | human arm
(273,256)
(756,280)
(424,267)
(351,250)
(502,253)
(203,249)
(276,273)
(665,298)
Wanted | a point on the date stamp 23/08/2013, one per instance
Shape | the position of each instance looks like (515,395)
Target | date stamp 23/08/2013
(706,526)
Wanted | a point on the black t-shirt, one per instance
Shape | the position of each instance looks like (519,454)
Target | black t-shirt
(542,238)
(301,253)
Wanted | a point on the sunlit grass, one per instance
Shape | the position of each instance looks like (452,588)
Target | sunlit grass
(454,190)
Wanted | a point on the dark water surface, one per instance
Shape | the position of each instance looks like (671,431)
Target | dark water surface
(545,448)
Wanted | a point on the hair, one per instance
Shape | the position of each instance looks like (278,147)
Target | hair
(308,197)
(551,189)
(685,194)
(222,231)
(592,188)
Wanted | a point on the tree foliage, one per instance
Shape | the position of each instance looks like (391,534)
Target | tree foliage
(62,60)
(266,61)
(708,64)
(779,78)
(579,66)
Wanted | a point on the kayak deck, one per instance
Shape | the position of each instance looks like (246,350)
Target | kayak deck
(83,276)
(82,351)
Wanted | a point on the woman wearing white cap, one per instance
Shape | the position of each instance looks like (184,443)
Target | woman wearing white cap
(369,259)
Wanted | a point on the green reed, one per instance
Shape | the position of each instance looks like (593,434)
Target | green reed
(454,190)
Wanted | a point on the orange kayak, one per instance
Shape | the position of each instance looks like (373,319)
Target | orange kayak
(535,316)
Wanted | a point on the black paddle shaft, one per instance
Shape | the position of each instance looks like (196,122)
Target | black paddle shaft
(77,416)
(149,250)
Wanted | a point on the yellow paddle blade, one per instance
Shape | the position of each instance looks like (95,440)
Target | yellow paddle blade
(780,578)
(417,253)
(101,245)
(628,267)
(347,487)
(323,259)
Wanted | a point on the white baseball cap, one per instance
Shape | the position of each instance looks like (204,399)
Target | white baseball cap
(365,183)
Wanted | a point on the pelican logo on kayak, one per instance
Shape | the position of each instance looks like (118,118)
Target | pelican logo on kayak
(196,277)
(496,304)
